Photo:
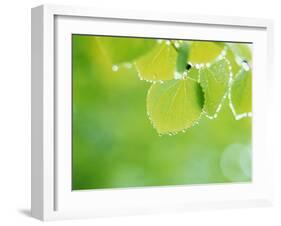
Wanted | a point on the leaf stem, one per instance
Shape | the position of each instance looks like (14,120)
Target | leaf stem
(173,44)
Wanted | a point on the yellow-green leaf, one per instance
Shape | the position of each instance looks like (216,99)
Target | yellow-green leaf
(241,92)
(204,52)
(193,73)
(175,105)
(235,67)
(122,49)
(214,81)
(159,64)
(242,51)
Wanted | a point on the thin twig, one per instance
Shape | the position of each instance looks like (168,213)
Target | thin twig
(173,44)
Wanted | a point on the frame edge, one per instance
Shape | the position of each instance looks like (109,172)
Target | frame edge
(37,162)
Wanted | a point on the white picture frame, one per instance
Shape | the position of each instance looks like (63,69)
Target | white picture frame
(52,197)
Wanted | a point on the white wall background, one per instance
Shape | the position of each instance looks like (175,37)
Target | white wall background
(15,112)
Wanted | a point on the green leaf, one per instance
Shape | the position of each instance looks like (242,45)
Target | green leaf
(193,73)
(241,92)
(159,64)
(242,51)
(182,57)
(122,49)
(214,81)
(235,67)
(204,52)
(175,105)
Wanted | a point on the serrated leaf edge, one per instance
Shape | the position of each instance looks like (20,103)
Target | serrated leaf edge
(215,115)
(147,80)
(196,122)
(231,105)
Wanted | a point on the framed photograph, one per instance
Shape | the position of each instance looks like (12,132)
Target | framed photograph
(140,112)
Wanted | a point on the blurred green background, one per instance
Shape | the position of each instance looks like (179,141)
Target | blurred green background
(115,144)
